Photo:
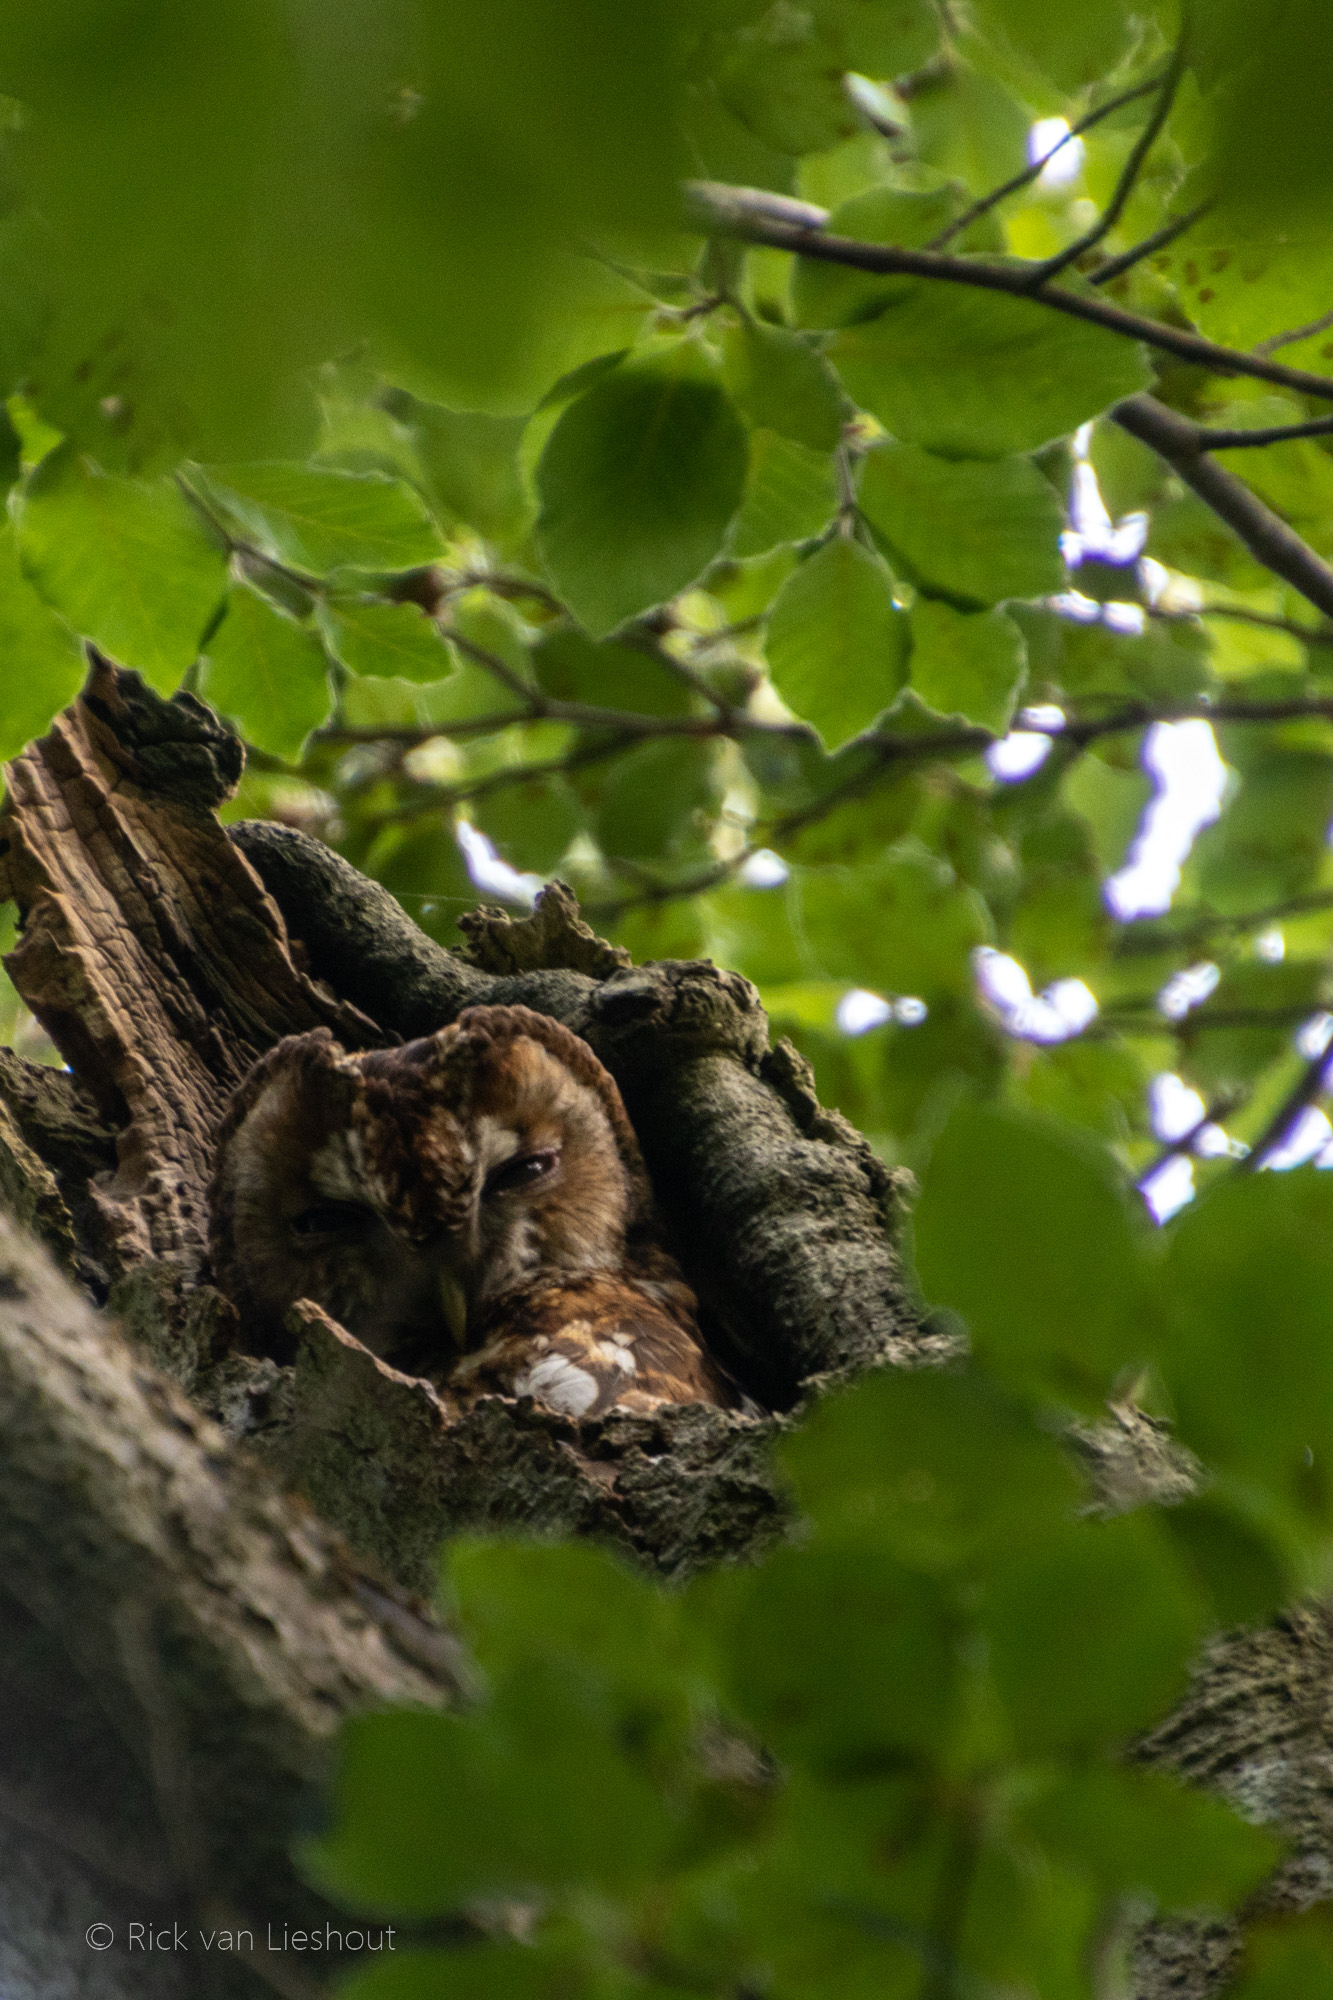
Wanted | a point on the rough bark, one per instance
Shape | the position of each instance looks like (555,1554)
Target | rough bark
(178,1642)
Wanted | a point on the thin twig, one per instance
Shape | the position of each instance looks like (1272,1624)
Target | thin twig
(1223,440)
(439,798)
(936,70)
(967,740)
(1129,175)
(1311,635)
(1295,333)
(1220,1108)
(1146,1016)
(1116,267)
(752,215)
(1136,939)
(538,708)
(1308,1086)
(986,202)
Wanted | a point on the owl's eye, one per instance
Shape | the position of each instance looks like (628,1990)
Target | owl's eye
(330,1218)
(519,1173)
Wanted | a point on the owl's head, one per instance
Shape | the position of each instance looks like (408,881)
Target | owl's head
(412,1191)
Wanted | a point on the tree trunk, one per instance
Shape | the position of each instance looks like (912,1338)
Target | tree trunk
(178,1639)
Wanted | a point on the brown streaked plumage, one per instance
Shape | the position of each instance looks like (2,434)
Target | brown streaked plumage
(472,1206)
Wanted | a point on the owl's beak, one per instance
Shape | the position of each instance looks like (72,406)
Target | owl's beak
(453,1305)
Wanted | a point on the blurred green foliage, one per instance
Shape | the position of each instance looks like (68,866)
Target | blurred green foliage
(360,373)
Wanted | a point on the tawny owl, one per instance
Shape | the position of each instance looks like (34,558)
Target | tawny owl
(472,1206)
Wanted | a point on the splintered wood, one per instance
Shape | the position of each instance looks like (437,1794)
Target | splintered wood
(151,952)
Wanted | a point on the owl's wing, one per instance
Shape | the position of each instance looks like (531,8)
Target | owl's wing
(589,1347)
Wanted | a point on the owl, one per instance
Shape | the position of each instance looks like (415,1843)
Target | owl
(472,1206)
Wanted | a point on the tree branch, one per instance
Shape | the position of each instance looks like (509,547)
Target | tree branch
(440,798)
(967,740)
(751,215)
(1265,534)
(118,1502)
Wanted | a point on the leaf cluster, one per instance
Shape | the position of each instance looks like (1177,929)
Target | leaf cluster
(896,1756)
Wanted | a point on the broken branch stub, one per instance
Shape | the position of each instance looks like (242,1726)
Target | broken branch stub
(150,953)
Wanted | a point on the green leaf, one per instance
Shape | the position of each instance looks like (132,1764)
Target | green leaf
(318,519)
(880,37)
(567,1603)
(1072,44)
(837,642)
(934,1469)
(1165,663)
(1286,1955)
(829,295)
(496,630)
(900,923)
(782,383)
(423,866)
(125,562)
(421,177)
(1100,1085)
(476,1971)
(469,464)
(1271,841)
(1256,1253)
(1072,1669)
(638,481)
(267,674)
(983,373)
(1112,802)
(652,799)
(1144,1832)
(573,667)
(1246,1570)
(840,1657)
(1226,1056)
(532,824)
(1267,99)
(389,641)
(783,80)
(980,532)
(790,496)
(1027,1230)
(12,451)
(434,1810)
(1060,924)
(971,664)
(53,666)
